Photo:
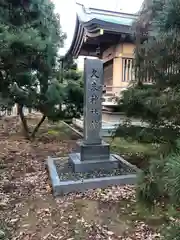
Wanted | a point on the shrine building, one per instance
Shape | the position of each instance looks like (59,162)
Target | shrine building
(108,36)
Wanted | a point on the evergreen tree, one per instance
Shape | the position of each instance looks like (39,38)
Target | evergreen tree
(30,36)
(157,58)
(74,88)
(71,105)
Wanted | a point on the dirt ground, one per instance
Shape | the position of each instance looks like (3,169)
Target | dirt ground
(28,211)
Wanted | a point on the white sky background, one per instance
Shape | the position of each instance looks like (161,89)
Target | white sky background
(66,9)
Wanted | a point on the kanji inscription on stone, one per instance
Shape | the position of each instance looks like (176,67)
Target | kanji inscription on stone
(95,111)
(94,124)
(93,87)
(93,99)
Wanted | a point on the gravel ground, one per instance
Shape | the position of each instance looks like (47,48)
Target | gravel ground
(65,172)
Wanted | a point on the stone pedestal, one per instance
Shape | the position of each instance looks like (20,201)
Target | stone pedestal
(93,152)
(91,165)
(91,157)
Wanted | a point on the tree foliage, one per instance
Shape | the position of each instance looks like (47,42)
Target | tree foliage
(71,80)
(157,60)
(30,38)
(74,88)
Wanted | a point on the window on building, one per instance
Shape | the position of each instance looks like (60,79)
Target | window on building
(108,73)
(127,69)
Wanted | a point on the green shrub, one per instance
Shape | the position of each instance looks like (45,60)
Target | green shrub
(150,186)
(171,232)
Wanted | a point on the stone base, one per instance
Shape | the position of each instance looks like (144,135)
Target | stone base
(93,152)
(92,165)
(64,187)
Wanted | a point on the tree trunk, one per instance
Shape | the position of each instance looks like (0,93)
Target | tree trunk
(17,105)
(37,127)
(23,120)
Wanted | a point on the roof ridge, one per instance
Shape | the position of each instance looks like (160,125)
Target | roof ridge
(89,10)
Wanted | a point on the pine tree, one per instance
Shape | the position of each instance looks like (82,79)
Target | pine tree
(30,36)
(157,58)
(74,88)
(71,105)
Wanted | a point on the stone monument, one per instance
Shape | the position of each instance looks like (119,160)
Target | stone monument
(92,153)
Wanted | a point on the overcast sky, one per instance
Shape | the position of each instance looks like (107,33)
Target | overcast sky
(66,9)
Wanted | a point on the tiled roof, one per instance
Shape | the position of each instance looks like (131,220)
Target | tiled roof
(87,14)
(89,21)
(122,21)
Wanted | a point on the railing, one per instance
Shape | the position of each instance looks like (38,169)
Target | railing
(114,90)
(128,71)
(112,95)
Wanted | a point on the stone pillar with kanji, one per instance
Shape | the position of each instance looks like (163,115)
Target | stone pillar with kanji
(93,85)
(93,153)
